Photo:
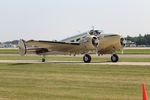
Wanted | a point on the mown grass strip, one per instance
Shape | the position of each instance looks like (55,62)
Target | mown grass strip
(135,51)
(126,51)
(72,82)
(72,58)
(8,51)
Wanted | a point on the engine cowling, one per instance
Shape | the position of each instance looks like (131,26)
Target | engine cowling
(122,42)
(95,41)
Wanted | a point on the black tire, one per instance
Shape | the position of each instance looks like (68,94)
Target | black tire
(43,59)
(114,58)
(87,58)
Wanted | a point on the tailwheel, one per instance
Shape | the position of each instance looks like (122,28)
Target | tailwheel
(114,58)
(87,58)
(43,60)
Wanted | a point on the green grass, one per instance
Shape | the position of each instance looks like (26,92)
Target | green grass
(126,51)
(135,51)
(72,82)
(71,58)
(8,51)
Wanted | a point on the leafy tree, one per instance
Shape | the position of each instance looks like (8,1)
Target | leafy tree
(140,40)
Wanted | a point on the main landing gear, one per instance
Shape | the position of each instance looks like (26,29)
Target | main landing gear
(87,58)
(114,58)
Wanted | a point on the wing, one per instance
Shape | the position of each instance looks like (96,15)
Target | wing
(53,45)
(50,47)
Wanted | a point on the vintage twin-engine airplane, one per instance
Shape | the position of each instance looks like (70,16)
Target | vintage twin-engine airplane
(93,41)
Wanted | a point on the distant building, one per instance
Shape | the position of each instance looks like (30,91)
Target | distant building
(130,44)
(3,45)
(9,44)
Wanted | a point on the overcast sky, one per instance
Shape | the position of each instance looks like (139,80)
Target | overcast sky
(58,19)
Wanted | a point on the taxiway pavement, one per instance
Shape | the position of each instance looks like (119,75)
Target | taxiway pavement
(93,55)
(75,62)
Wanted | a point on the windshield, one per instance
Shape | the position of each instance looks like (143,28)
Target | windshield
(95,32)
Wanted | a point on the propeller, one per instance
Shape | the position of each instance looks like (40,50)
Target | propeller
(95,39)
(95,42)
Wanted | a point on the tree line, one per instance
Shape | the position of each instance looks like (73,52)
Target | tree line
(140,40)
(15,42)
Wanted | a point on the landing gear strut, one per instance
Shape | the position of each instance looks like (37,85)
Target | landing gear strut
(114,58)
(87,58)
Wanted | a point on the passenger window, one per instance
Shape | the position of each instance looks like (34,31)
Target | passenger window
(78,39)
(72,41)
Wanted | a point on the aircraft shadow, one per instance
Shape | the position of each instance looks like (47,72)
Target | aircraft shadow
(56,62)
(15,64)
(73,62)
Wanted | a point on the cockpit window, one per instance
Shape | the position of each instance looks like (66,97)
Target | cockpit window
(95,32)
